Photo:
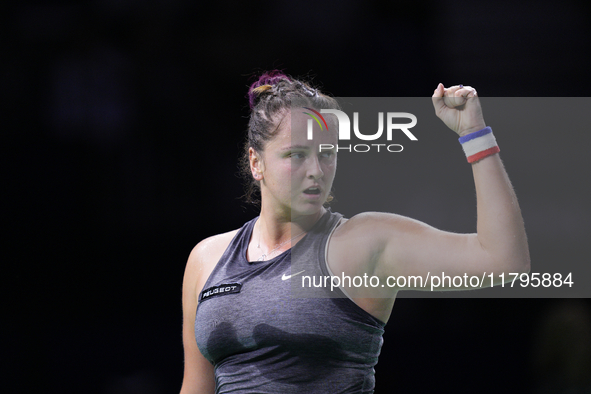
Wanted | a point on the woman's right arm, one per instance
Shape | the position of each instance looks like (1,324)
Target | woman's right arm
(199,376)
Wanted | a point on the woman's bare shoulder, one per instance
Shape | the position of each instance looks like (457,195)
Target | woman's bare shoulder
(368,224)
(211,246)
(205,256)
(357,242)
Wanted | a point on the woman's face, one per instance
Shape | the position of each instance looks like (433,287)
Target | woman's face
(297,173)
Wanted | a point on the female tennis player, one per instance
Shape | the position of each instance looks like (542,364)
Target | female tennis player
(244,332)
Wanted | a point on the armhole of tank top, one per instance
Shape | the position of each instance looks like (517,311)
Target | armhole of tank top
(326,257)
(340,287)
(217,265)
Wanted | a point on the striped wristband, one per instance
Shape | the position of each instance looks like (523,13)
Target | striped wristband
(479,144)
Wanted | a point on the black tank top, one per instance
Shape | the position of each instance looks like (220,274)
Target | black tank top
(262,339)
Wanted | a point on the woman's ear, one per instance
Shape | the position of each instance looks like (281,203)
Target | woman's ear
(256,164)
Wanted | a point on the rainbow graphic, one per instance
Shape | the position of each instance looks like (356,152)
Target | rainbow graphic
(316,119)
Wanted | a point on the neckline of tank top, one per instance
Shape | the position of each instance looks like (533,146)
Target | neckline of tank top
(282,254)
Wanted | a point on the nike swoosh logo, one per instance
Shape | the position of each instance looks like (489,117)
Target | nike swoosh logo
(286,277)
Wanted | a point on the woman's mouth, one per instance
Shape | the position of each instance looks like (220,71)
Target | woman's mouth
(312,191)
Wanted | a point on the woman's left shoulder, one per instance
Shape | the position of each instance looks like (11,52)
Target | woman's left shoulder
(362,236)
(373,223)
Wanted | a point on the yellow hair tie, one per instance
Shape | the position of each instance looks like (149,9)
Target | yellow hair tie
(260,89)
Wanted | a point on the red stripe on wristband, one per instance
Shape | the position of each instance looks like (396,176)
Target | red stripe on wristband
(482,154)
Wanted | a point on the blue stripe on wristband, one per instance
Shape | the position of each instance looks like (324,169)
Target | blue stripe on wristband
(476,134)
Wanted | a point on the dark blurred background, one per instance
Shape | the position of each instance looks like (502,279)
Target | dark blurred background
(122,124)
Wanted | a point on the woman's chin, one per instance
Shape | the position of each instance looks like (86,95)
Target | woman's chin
(307,208)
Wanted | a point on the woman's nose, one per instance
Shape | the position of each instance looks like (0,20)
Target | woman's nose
(314,168)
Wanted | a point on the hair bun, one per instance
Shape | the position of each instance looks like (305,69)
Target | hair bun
(264,84)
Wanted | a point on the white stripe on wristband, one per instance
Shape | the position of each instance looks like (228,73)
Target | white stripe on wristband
(479,144)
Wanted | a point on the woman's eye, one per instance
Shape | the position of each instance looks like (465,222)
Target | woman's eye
(296,155)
